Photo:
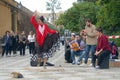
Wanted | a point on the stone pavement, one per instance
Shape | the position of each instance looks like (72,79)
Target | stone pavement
(62,70)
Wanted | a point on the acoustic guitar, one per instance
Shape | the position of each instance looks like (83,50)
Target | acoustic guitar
(75,46)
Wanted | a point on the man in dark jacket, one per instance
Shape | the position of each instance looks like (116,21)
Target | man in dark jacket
(6,43)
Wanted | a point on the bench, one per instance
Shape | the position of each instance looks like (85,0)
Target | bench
(114,63)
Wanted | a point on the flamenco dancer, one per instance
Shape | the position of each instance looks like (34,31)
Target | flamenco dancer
(42,30)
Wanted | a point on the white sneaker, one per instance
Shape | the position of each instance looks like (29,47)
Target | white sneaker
(91,65)
(97,67)
(78,63)
(73,62)
(83,64)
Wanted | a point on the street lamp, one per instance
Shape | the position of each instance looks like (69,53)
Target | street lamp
(19,5)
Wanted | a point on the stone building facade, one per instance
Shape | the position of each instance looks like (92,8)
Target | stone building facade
(13,17)
(6,15)
(16,17)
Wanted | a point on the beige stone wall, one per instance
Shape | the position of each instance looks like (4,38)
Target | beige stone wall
(5,19)
(12,2)
(15,21)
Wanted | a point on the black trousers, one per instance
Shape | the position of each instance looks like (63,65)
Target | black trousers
(104,54)
(6,49)
(31,47)
(22,48)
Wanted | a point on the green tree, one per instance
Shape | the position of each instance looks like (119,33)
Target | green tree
(109,16)
(73,18)
(87,0)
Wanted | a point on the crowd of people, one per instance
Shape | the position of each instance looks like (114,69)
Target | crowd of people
(89,40)
(13,42)
(43,43)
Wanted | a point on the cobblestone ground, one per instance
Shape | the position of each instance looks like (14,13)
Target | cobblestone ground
(61,70)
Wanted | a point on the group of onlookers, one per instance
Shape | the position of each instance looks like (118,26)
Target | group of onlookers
(13,42)
(9,43)
(93,40)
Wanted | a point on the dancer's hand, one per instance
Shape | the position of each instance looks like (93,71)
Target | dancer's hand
(35,13)
(56,31)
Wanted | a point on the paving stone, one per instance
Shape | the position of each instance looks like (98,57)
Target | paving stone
(71,78)
(66,72)
(113,79)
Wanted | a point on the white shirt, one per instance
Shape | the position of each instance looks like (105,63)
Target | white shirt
(41,29)
(31,38)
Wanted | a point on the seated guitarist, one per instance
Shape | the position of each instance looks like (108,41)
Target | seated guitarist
(77,48)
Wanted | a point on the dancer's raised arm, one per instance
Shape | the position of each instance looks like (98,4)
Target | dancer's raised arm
(33,21)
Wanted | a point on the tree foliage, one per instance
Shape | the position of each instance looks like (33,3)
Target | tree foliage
(73,18)
(105,13)
(109,16)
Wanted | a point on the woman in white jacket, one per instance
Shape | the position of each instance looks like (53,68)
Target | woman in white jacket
(31,40)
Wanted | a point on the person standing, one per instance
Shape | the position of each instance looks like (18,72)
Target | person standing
(22,43)
(14,43)
(103,49)
(31,42)
(42,30)
(17,42)
(91,41)
(7,42)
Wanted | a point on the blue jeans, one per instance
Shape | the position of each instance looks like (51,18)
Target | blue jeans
(89,48)
(77,53)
